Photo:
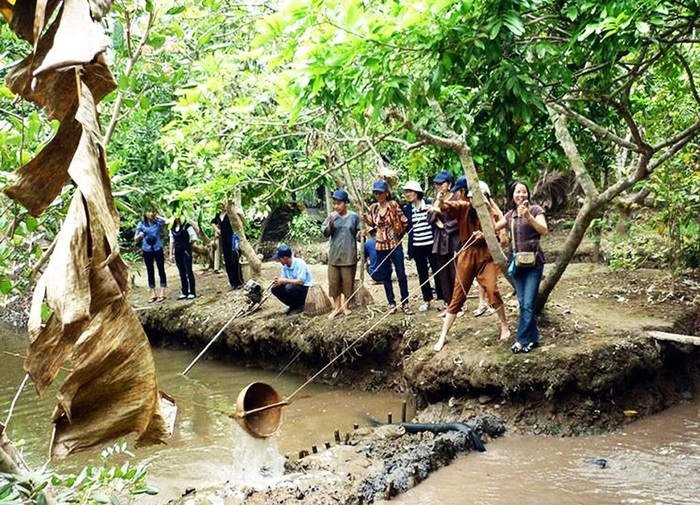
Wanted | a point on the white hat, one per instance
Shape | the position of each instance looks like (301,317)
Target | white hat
(413,186)
(484,189)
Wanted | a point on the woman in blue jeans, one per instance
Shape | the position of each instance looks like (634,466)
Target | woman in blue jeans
(389,221)
(526,223)
(148,233)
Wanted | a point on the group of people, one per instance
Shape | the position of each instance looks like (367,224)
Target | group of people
(445,237)
(182,237)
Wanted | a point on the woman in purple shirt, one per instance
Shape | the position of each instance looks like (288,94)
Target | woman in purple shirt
(528,224)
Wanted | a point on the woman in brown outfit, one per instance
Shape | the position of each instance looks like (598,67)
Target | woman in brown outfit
(473,262)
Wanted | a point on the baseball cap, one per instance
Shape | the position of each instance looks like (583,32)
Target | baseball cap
(340,194)
(380,186)
(283,251)
(443,176)
(484,189)
(460,183)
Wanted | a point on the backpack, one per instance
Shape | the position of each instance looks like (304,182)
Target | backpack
(235,242)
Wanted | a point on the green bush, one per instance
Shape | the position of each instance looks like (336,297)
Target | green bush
(303,229)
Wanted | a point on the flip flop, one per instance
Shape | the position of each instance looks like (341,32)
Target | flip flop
(480,311)
(152,299)
(160,298)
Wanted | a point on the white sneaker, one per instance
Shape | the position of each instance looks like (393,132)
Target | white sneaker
(425,307)
(181,296)
(191,296)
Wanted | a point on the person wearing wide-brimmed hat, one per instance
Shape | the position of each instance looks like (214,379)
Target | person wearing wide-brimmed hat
(473,262)
(294,281)
(342,226)
(420,241)
(390,223)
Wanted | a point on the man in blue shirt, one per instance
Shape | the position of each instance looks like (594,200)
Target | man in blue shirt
(294,280)
(371,260)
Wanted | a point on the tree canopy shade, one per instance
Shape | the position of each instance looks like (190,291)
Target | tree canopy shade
(494,80)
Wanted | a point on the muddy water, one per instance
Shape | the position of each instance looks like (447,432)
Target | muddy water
(656,460)
(207,448)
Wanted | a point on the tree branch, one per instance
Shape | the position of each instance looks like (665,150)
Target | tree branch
(595,128)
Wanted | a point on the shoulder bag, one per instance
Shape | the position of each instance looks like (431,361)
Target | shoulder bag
(525,259)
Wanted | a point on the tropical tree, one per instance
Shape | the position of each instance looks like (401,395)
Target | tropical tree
(492,80)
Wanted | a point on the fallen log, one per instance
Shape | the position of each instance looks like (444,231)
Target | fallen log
(674,337)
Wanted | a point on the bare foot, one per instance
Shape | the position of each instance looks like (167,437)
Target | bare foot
(440,344)
(347,312)
(505,334)
(333,314)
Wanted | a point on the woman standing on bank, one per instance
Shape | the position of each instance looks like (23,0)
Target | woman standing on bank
(527,224)
(148,233)
(473,262)
(224,230)
(420,241)
(390,223)
(181,237)
(342,226)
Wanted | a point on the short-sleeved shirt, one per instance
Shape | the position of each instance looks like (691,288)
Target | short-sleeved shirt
(526,238)
(342,250)
(151,235)
(384,224)
(298,271)
(177,237)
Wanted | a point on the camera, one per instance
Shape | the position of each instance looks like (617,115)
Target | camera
(526,203)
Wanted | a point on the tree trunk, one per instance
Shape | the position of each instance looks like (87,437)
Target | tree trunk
(234,215)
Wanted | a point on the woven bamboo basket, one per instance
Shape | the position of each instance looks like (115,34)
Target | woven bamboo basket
(317,302)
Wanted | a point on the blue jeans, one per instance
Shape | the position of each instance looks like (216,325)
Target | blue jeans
(384,273)
(527,285)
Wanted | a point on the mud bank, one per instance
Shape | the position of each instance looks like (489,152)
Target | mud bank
(595,370)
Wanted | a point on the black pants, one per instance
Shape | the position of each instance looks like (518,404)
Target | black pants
(292,295)
(447,275)
(183,260)
(148,258)
(423,256)
(232,263)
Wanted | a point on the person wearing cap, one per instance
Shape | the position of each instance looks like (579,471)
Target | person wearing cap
(420,241)
(342,226)
(473,262)
(446,240)
(294,281)
(224,231)
(181,237)
(390,223)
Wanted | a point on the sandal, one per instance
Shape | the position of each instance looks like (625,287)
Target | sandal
(480,311)
(152,299)
(517,348)
(160,298)
(407,310)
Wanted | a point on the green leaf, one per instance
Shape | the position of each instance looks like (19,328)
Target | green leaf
(510,154)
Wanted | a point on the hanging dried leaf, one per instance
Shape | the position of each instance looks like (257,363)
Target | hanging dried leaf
(57,92)
(23,15)
(112,390)
(68,50)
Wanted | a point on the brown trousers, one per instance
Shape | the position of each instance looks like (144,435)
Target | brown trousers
(475,262)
